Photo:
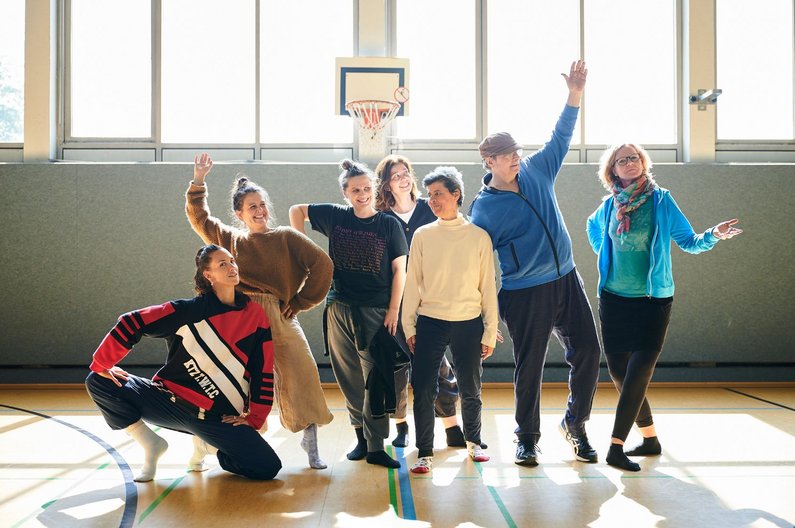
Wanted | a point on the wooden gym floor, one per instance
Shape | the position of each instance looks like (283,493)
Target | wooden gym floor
(728,461)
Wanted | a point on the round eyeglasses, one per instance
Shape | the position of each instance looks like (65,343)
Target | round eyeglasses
(634,158)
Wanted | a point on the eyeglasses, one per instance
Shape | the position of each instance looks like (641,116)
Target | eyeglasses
(402,175)
(516,154)
(634,158)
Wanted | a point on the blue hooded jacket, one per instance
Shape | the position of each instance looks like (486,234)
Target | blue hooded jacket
(669,223)
(527,228)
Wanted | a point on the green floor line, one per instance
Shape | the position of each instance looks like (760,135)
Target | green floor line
(496,496)
(159,499)
(392,487)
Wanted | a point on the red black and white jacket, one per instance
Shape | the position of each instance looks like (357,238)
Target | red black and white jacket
(220,357)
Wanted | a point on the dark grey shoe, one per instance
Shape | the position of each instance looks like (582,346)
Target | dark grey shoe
(579,444)
(526,453)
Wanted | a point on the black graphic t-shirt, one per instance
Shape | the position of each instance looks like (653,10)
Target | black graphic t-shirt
(362,251)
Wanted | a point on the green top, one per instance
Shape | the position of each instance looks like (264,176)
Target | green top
(629,254)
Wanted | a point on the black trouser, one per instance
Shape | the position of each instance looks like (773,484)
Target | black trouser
(433,337)
(633,333)
(448,386)
(241,449)
(531,314)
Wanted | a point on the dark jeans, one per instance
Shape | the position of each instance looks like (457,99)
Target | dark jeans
(433,337)
(241,449)
(533,314)
(633,332)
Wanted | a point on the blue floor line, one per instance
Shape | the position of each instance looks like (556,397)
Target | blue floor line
(404,484)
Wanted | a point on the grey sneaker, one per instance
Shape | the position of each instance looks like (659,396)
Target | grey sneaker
(579,444)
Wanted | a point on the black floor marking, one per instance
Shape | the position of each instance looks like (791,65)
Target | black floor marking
(741,393)
(130,491)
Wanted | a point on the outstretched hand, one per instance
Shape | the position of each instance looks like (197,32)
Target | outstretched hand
(575,81)
(202,165)
(726,230)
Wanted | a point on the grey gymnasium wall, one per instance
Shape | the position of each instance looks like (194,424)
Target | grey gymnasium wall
(83,243)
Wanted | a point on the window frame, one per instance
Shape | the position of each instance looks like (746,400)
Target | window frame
(153,145)
(153,149)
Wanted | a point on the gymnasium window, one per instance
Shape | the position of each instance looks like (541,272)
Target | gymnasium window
(12,70)
(755,70)
(111,71)
(208,71)
(439,38)
(631,49)
(297,70)
(529,44)
(205,72)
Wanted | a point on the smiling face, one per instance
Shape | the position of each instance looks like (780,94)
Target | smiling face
(222,270)
(360,193)
(254,212)
(444,204)
(628,165)
(400,180)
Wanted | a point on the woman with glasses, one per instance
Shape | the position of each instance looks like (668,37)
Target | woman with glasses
(631,232)
(363,305)
(397,195)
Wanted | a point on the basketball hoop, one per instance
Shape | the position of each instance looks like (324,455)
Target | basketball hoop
(373,115)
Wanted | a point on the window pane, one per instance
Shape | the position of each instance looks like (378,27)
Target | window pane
(111,68)
(208,71)
(438,38)
(630,47)
(530,43)
(12,70)
(754,63)
(298,68)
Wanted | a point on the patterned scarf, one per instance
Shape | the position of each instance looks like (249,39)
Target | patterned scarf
(629,198)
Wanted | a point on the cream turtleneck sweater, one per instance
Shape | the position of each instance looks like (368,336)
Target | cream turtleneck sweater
(451,277)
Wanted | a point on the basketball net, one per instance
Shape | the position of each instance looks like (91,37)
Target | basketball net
(372,116)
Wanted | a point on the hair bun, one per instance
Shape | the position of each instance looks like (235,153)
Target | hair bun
(241,182)
(346,164)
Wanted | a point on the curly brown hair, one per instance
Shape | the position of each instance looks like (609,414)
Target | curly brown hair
(384,199)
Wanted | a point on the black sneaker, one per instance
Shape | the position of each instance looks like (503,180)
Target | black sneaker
(579,443)
(526,453)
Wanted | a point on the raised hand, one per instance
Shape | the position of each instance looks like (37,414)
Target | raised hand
(726,230)
(202,164)
(575,81)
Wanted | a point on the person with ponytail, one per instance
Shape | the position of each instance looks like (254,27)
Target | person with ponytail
(362,309)
(284,272)
(216,384)
(631,233)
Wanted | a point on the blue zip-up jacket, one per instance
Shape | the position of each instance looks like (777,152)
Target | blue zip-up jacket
(669,223)
(527,228)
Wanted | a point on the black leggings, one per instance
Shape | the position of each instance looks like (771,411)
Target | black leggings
(633,333)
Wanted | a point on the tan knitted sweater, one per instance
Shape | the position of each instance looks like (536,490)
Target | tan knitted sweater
(282,262)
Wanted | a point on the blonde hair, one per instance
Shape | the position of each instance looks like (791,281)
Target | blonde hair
(606,163)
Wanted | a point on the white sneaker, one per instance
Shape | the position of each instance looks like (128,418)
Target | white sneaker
(476,452)
(422,465)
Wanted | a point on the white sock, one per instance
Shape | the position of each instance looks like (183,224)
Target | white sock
(200,450)
(309,443)
(154,446)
